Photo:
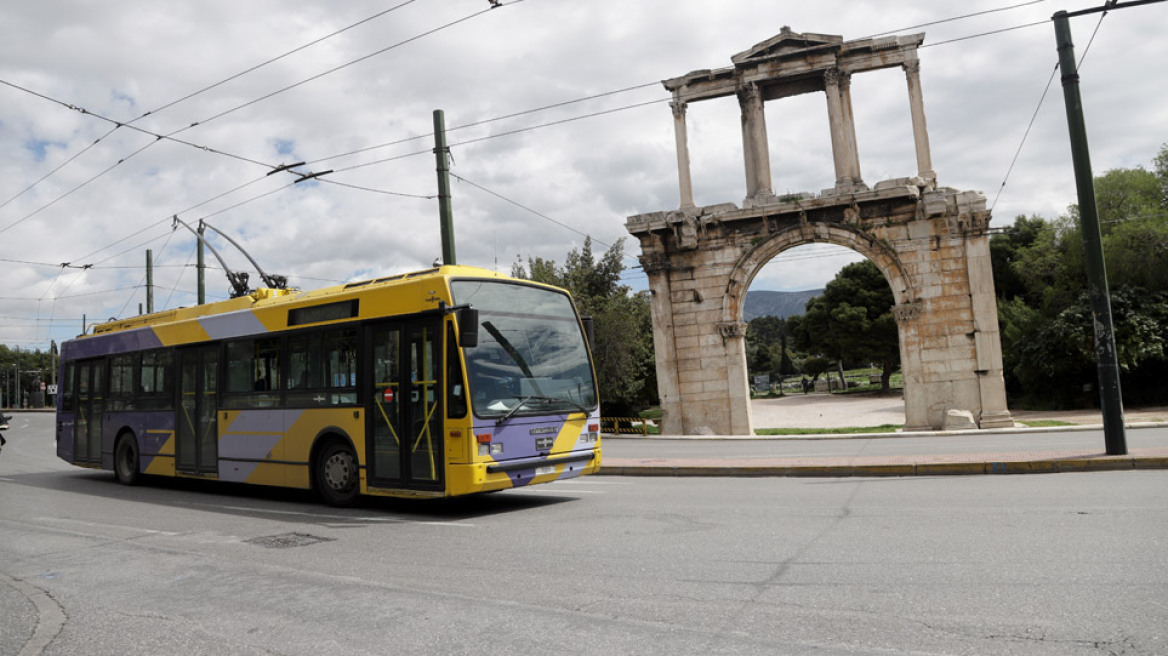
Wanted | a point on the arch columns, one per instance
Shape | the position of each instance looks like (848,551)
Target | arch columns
(930,243)
(931,246)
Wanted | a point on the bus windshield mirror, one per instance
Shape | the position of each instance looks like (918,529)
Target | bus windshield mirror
(468,327)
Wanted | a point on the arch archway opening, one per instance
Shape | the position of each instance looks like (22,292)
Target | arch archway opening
(822,347)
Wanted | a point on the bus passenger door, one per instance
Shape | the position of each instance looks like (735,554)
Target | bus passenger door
(383,441)
(196,438)
(90,405)
(405,433)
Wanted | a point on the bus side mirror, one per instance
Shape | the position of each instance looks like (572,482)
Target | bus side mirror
(468,327)
(589,332)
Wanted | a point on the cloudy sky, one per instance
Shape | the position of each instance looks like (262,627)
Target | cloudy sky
(558,124)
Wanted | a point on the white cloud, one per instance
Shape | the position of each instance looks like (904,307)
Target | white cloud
(122,60)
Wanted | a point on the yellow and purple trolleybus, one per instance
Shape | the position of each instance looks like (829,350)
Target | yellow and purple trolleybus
(443,382)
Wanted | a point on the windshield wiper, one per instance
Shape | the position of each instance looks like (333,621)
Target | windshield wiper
(524,400)
(513,353)
(557,399)
(511,413)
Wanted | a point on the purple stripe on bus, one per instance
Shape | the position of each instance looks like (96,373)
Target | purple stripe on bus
(232,324)
(264,421)
(518,440)
(141,424)
(251,437)
(129,340)
(247,447)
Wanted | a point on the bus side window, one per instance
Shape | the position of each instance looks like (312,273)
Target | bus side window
(154,376)
(322,368)
(253,373)
(121,385)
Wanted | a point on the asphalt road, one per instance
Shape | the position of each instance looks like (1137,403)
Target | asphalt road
(1045,564)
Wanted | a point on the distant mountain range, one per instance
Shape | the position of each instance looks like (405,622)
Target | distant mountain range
(776,304)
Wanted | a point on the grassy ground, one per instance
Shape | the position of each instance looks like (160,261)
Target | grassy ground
(855,430)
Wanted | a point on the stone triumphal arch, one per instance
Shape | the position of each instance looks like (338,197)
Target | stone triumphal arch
(929,241)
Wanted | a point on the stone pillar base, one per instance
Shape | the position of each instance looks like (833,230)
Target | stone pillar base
(998,419)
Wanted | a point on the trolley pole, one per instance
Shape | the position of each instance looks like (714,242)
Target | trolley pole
(445,211)
(1106,360)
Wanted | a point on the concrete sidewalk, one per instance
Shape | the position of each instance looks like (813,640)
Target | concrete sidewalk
(835,411)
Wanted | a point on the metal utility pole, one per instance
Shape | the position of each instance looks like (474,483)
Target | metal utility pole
(445,212)
(201,268)
(1107,362)
(149,281)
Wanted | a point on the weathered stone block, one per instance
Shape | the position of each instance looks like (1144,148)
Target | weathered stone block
(958,420)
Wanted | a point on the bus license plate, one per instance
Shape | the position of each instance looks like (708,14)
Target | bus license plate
(540,471)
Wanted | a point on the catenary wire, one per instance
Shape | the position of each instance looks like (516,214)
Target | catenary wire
(172,103)
(955,18)
(341,67)
(171,137)
(58,168)
(526,208)
(641,104)
(272,60)
(635,87)
(1034,116)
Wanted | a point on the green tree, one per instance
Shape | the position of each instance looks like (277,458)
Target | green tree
(23,371)
(623,351)
(1045,319)
(766,347)
(1006,249)
(1123,195)
(852,321)
(1160,163)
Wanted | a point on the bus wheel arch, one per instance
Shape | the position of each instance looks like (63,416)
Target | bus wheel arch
(127,458)
(336,474)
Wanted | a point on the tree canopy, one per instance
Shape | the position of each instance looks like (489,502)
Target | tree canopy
(852,321)
(1043,309)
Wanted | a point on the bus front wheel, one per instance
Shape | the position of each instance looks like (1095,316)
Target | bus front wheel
(337,476)
(126,460)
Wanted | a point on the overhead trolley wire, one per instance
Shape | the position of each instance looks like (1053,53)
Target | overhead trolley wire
(342,66)
(153,112)
(484,121)
(171,136)
(59,167)
(273,60)
(955,18)
(1041,100)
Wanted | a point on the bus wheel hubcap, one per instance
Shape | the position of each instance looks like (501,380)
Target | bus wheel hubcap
(338,471)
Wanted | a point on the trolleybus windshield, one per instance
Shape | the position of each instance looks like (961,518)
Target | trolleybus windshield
(531,357)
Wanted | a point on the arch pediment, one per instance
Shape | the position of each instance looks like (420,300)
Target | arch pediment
(784,43)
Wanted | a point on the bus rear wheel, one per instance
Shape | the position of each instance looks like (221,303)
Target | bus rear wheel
(126,460)
(337,477)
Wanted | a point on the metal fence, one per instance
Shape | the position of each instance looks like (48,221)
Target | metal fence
(630,425)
